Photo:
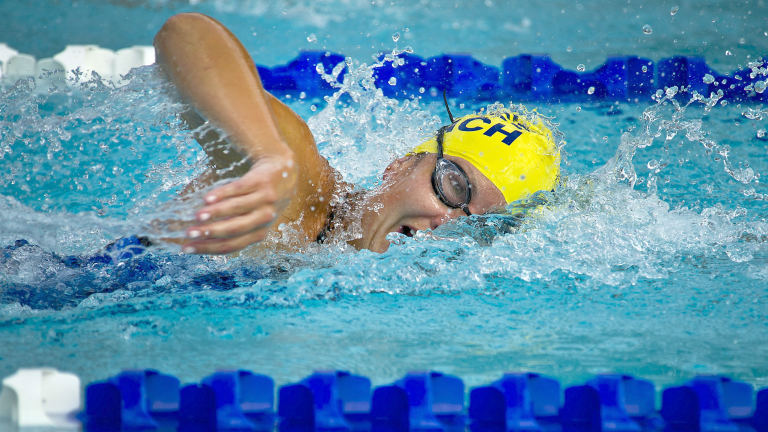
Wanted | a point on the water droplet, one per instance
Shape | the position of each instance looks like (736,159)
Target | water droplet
(591,90)
(313,108)
(312,38)
(302,95)
(392,81)
(728,53)
(578,109)
(760,86)
(708,79)
(761,133)
(742,41)
(644,68)
(580,68)
(396,37)
(674,10)
(285,174)
(671,91)
(652,164)
(569,48)
(422,90)
(647,29)
(319,68)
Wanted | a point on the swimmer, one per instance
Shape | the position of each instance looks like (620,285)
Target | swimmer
(475,165)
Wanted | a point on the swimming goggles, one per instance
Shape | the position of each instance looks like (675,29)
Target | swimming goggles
(450,182)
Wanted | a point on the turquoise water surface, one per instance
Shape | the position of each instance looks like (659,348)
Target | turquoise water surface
(650,259)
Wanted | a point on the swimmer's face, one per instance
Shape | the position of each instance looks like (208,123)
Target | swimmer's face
(406,201)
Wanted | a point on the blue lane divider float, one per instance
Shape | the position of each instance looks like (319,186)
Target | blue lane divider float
(421,401)
(329,400)
(227,401)
(142,399)
(525,77)
(516,402)
(711,403)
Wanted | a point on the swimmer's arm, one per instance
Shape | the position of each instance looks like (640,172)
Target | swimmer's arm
(215,74)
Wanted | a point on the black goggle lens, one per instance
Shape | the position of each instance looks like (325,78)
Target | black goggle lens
(450,182)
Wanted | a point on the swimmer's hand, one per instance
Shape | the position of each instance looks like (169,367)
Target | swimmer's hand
(240,213)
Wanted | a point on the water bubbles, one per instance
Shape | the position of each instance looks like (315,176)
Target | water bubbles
(760,86)
(396,37)
(647,29)
(708,79)
(569,49)
(312,38)
(761,134)
(671,91)
(422,90)
(591,90)
(674,10)
(580,68)
(728,53)
(653,164)
(302,95)
(320,69)
(644,68)
(392,81)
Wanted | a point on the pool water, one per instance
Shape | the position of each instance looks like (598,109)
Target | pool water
(650,259)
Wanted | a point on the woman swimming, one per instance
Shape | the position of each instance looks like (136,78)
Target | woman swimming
(477,164)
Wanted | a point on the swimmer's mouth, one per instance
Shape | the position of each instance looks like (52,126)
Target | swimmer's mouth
(406,230)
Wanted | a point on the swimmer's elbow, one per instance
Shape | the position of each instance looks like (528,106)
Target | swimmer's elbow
(181,28)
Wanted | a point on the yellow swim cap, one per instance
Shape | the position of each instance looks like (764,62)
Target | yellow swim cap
(518,156)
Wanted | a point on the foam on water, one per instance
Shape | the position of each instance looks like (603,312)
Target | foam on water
(650,257)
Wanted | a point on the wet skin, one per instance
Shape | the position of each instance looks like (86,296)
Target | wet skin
(407,203)
(288,181)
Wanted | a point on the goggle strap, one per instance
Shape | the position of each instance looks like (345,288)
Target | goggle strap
(439,139)
(450,115)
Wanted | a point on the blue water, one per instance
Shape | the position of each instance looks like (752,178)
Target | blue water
(651,258)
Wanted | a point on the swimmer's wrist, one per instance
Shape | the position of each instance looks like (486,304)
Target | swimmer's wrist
(277,150)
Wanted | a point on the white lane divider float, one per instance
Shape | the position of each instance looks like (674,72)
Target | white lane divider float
(108,64)
(41,397)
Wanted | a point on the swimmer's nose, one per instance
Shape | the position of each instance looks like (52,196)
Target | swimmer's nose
(448,214)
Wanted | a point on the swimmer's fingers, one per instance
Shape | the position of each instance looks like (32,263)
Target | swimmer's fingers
(240,213)
(234,226)
(276,176)
(224,246)
(237,205)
